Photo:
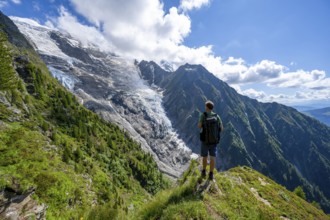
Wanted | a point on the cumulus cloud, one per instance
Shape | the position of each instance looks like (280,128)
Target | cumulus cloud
(17,2)
(3,4)
(141,29)
(262,71)
(314,79)
(187,5)
(86,34)
(302,96)
(236,71)
(308,85)
(252,93)
(36,6)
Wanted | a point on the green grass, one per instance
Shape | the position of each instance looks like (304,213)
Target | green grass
(71,157)
(240,193)
(28,161)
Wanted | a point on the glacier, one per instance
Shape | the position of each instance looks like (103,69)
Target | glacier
(66,80)
(112,87)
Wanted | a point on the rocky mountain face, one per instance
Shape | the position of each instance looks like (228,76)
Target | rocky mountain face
(112,87)
(57,155)
(277,140)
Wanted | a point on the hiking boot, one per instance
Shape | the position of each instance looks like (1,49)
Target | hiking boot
(203,173)
(211,176)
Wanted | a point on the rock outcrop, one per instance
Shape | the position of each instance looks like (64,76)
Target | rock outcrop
(19,206)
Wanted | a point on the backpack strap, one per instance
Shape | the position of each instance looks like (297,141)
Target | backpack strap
(205,117)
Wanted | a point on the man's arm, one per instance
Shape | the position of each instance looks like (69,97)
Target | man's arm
(220,123)
(200,121)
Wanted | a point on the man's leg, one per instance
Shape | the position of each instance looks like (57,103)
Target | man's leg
(204,163)
(204,152)
(213,154)
(212,163)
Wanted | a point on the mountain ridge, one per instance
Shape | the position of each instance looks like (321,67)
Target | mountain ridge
(272,138)
(238,193)
(321,114)
(112,87)
(71,160)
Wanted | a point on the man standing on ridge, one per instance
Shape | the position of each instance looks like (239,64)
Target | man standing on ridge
(211,125)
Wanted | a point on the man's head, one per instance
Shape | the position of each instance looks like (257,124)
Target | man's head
(209,105)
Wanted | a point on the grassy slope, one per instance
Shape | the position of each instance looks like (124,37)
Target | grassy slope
(73,159)
(240,193)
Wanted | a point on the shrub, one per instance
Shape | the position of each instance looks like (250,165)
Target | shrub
(300,192)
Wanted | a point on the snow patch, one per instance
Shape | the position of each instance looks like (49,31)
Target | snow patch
(40,36)
(190,69)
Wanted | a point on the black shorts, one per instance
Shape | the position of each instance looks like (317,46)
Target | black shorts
(208,150)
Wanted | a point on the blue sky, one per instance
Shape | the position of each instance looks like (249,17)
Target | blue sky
(271,50)
(284,31)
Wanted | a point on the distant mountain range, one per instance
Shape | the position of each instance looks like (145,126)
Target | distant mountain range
(279,141)
(159,108)
(322,114)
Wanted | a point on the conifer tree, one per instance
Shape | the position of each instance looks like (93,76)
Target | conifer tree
(8,79)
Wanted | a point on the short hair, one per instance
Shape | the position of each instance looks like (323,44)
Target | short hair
(209,104)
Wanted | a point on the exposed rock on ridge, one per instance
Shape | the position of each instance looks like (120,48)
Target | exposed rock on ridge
(16,206)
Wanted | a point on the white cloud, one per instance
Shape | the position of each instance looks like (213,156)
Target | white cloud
(252,93)
(26,20)
(262,71)
(304,85)
(3,4)
(187,5)
(141,29)
(36,6)
(323,84)
(86,34)
(17,2)
(301,96)
(315,79)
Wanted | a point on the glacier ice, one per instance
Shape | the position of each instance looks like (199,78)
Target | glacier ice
(112,87)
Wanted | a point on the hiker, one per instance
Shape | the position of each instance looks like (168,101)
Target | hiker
(211,125)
